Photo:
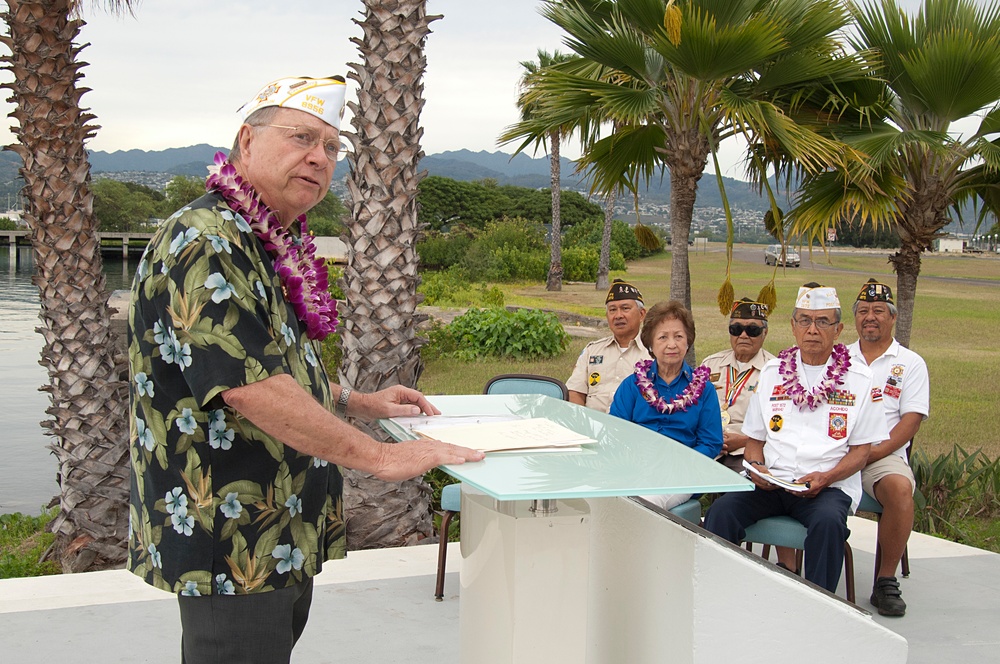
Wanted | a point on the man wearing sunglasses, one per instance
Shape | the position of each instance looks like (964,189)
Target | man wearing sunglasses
(736,372)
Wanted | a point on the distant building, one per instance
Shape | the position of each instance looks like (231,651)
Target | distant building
(15,216)
(949,245)
(331,247)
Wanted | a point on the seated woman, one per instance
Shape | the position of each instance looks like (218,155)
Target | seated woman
(666,395)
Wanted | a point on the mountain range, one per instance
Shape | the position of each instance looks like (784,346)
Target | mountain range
(155,168)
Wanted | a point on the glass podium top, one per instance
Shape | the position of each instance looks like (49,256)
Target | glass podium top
(627,460)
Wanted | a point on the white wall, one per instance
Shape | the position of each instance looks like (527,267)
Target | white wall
(330,247)
(662,592)
(948,245)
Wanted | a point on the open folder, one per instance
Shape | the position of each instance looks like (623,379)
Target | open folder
(798,487)
(535,433)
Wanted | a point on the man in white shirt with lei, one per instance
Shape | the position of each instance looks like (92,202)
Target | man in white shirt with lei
(810,422)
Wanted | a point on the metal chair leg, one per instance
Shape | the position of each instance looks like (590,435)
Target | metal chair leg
(849,572)
(442,554)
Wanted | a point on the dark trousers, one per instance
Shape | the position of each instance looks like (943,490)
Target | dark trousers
(244,629)
(825,519)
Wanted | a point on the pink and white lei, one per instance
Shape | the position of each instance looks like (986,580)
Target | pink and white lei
(683,401)
(834,378)
(304,278)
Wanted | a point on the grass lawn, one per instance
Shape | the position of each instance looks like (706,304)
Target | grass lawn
(955,327)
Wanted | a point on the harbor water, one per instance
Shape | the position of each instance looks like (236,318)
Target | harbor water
(27,467)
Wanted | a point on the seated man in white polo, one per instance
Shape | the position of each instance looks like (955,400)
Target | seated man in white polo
(811,422)
(902,384)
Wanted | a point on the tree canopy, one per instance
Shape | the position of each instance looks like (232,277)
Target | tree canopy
(446,201)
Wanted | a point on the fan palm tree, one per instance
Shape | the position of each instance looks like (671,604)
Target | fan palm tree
(555,135)
(379,333)
(679,77)
(88,395)
(934,68)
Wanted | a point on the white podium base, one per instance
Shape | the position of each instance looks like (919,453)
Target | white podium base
(524,581)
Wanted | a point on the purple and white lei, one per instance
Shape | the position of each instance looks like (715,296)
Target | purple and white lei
(683,401)
(834,378)
(304,278)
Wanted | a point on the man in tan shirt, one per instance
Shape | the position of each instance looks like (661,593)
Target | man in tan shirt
(736,372)
(604,363)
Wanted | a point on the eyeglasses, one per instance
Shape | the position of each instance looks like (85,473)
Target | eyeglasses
(820,323)
(753,331)
(307,138)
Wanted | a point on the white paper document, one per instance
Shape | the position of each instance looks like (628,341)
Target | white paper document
(798,487)
(535,433)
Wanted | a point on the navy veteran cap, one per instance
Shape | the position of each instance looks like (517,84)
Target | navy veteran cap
(748,309)
(875,291)
(622,290)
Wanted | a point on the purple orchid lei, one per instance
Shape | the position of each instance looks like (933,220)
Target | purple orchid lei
(304,278)
(788,369)
(683,401)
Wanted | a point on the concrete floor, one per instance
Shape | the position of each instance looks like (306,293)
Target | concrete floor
(378,606)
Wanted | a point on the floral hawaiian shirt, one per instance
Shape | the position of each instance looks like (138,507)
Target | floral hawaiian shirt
(219,506)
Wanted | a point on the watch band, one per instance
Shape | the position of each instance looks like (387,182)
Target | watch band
(341,407)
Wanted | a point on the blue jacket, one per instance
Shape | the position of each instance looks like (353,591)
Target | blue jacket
(699,427)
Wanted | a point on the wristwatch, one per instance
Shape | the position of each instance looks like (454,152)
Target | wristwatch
(756,463)
(341,407)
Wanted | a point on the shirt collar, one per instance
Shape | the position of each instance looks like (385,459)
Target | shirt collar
(686,372)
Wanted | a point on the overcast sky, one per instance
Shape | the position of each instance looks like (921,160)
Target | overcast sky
(175,74)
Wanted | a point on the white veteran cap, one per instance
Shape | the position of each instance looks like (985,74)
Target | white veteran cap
(814,296)
(322,97)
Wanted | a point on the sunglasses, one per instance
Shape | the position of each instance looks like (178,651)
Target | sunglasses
(736,329)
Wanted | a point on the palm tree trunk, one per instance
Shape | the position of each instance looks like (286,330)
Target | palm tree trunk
(554,282)
(379,334)
(88,395)
(685,171)
(683,190)
(906,263)
(604,262)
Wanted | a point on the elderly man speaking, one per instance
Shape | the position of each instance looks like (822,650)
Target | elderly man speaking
(811,422)
(236,495)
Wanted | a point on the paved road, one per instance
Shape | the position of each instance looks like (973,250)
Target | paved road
(818,261)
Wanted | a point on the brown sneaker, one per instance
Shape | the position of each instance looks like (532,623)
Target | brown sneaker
(887,598)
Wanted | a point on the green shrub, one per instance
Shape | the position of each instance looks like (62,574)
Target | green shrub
(623,240)
(323,227)
(580,263)
(332,352)
(509,250)
(6,224)
(496,332)
(953,488)
(442,250)
(23,541)
(452,288)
